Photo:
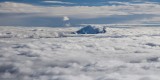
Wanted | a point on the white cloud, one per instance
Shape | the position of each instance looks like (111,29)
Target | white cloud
(117,2)
(58,2)
(65,18)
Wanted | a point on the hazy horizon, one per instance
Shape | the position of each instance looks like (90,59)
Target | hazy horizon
(74,12)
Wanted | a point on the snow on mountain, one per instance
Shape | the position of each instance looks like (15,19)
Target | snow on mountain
(91,30)
(55,54)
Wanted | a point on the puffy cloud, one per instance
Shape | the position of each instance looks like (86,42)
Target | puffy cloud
(65,18)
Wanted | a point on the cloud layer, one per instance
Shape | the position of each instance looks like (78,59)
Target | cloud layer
(82,11)
(85,12)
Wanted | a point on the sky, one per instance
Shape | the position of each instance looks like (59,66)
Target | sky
(58,13)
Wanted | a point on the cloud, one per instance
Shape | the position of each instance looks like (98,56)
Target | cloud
(65,18)
(139,0)
(84,12)
(81,11)
(151,20)
(58,2)
(119,3)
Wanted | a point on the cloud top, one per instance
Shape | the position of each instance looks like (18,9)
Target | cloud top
(65,18)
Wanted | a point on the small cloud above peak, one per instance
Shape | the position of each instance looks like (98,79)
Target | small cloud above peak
(65,18)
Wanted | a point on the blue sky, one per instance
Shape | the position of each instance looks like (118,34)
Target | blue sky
(52,12)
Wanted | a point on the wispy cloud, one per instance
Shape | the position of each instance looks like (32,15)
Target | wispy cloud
(58,2)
